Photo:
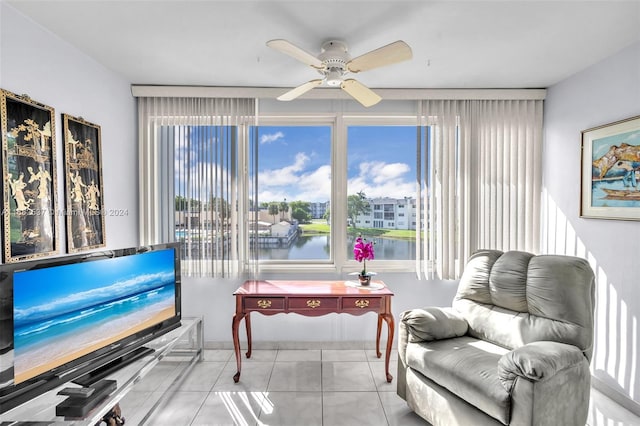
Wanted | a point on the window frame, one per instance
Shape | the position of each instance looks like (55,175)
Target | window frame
(307,265)
(340,259)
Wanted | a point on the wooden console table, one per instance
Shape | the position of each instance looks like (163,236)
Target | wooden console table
(310,298)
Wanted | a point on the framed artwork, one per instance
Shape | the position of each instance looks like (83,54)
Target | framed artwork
(28,178)
(83,184)
(611,171)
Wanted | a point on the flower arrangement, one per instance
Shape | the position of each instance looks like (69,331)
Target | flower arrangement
(363,251)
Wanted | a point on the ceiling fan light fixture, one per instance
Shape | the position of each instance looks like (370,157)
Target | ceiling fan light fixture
(334,77)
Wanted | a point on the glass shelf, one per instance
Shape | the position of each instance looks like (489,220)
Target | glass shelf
(185,342)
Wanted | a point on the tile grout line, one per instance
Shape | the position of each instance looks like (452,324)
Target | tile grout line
(266,389)
(378,391)
(208,393)
(321,390)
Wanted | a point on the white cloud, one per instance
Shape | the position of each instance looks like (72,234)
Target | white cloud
(293,182)
(271,137)
(316,185)
(286,175)
(379,179)
(376,179)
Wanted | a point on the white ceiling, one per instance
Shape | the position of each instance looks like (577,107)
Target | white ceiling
(456,44)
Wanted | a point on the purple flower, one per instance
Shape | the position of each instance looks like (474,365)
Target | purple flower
(363,251)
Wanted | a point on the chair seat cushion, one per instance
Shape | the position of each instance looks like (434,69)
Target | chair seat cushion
(468,368)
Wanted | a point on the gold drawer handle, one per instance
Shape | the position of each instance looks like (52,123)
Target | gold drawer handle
(264,303)
(313,303)
(362,303)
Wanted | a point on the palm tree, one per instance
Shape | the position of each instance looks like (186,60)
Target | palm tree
(357,204)
(274,210)
(283,208)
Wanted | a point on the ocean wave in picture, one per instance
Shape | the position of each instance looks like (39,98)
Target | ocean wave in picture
(34,333)
(71,303)
(67,311)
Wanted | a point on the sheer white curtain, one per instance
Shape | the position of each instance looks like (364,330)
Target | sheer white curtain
(479,164)
(444,208)
(194,157)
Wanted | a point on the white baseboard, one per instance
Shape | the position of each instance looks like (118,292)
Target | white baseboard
(615,395)
(338,345)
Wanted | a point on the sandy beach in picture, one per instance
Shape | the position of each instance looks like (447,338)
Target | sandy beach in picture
(66,349)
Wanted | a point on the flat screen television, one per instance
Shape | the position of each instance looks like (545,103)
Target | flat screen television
(64,318)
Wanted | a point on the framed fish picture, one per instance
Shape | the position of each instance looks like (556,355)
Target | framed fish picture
(28,177)
(83,184)
(611,171)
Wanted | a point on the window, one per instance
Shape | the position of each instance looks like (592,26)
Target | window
(381,178)
(300,160)
(468,176)
(294,192)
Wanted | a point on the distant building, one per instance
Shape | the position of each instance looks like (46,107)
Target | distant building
(274,235)
(263,228)
(263,215)
(318,209)
(196,218)
(389,213)
(282,229)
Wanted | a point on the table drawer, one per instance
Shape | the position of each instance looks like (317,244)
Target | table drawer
(364,303)
(264,303)
(320,303)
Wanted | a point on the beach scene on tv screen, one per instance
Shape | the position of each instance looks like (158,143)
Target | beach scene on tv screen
(64,312)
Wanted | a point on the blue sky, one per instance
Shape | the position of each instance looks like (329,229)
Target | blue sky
(294,162)
(602,145)
(54,290)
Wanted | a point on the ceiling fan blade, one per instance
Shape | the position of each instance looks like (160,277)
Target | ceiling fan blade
(295,52)
(395,52)
(303,88)
(360,92)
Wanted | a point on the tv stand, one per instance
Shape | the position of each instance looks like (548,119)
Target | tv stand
(111,367)
(185,342)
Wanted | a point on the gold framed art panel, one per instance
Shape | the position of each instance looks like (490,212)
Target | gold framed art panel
(83,184)
(29,177)
(610,172)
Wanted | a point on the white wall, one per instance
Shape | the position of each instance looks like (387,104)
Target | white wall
(214,300)
(35,62)
(604,93)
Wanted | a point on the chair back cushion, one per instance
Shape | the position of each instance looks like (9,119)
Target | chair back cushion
(515,298)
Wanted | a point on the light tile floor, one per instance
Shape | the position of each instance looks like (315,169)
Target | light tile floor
(295,387)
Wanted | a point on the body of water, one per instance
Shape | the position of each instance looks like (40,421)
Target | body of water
(599,197)
(318,248)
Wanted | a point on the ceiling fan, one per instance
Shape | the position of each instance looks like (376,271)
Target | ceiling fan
(334,63)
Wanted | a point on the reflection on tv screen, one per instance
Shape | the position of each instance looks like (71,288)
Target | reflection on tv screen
(64,312)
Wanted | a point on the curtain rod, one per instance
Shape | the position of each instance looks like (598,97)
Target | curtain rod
(388,94)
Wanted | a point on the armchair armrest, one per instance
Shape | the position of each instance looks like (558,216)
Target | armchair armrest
(537,361)
(433,323)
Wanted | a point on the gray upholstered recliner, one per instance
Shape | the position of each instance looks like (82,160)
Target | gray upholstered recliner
(513,349)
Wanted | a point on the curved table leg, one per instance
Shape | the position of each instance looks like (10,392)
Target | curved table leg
(247,323)
(390,326)
(236,342)
(378,354)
